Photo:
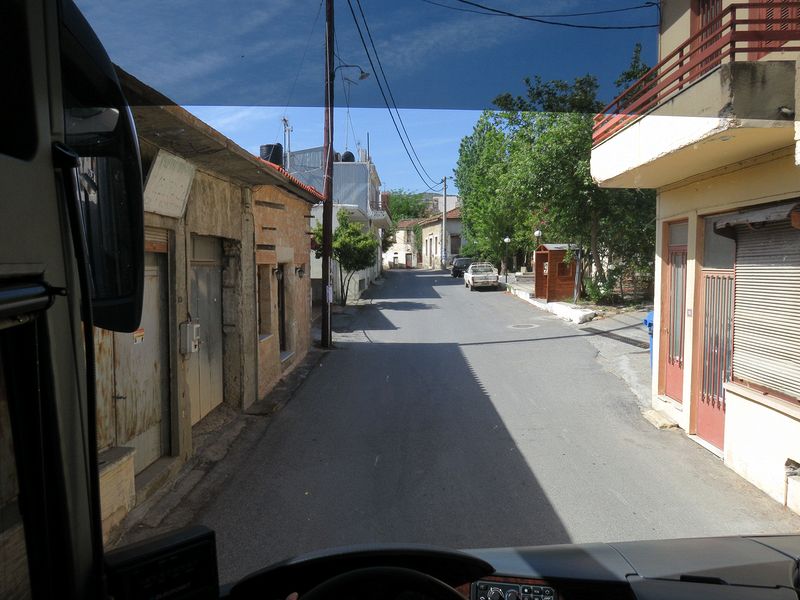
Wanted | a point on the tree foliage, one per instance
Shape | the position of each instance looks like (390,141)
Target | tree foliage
(527,167)
(353,248)
(406,205)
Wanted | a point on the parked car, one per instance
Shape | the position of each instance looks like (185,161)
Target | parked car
(481,274)
(460,265)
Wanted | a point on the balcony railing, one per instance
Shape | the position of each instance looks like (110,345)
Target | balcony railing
(752,29)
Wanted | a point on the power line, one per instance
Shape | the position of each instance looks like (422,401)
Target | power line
(385,100)
(548,22)
(389,89)
(302,62)
(346,93)
(549,15)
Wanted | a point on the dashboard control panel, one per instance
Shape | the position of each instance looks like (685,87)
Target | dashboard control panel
(502,590)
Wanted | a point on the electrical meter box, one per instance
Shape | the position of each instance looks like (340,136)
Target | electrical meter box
(189,337)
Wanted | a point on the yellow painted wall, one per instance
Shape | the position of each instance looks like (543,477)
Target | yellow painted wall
(758,438)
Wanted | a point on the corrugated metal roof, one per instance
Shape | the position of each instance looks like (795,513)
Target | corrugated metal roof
(558,246)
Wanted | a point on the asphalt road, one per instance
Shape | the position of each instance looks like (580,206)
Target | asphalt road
(468,419)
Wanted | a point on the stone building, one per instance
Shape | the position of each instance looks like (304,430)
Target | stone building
(198,345)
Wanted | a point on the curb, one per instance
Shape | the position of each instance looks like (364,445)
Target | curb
(563,310)
(658,419)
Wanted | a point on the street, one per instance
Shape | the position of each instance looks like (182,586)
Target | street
(468,419)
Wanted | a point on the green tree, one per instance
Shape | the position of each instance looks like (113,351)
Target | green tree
(490,211)
(555,96)
(406,205)
(635,71)
(527,167)
(353,248)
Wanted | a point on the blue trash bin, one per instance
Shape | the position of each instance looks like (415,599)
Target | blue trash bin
(648,322)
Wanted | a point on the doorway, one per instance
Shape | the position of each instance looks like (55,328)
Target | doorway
(713,363)
(674,310)
(141,372)
(205,306)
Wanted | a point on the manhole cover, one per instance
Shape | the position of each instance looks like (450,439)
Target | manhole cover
(524,326)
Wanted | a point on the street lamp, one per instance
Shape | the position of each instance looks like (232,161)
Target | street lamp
(362,75)
(506,240)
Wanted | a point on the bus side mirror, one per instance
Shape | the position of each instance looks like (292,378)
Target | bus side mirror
(99,128)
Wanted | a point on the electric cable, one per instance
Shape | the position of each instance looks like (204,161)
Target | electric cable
(385,99)
(556,23)
(389,89)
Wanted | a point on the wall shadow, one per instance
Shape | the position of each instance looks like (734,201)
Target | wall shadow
(383,443)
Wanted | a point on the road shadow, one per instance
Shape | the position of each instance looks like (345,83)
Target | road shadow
(411,284)
(383,443)
(403,305)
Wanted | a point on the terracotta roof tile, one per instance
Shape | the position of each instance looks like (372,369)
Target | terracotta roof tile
(453,213)
(406,223)
(308,188)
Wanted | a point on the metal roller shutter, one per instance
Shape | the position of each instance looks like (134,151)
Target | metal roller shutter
(766,338)
(155,240)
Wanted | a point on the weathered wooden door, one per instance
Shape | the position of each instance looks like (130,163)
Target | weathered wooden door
(717,350)
(205,371)
(674,326)
(141,372)
(408,261)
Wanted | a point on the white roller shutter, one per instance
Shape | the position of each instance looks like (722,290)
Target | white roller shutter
(766,339)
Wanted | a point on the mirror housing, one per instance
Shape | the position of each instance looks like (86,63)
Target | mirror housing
(99,128)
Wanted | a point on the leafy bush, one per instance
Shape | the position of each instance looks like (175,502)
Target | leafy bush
(602,292)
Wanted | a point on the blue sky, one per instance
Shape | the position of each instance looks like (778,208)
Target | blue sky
(245,62)
(436,135)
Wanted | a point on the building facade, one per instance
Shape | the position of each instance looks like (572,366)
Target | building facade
(198,345)
(282,217)
(403,254)
(434,256)
(356,189)
(715,132)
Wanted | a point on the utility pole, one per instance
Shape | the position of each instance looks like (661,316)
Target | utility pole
(327,188)
(287,142)
(444,223)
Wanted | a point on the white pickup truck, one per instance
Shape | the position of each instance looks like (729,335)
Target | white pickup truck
(481,274)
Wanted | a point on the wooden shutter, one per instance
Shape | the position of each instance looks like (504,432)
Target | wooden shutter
(766,322)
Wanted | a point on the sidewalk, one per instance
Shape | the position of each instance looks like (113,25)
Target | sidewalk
(619,336)
(623,346)
(564,310)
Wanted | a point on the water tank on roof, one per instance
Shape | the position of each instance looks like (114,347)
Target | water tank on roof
(348,157)
(272,153)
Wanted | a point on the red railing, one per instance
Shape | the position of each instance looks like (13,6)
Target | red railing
(753,28)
